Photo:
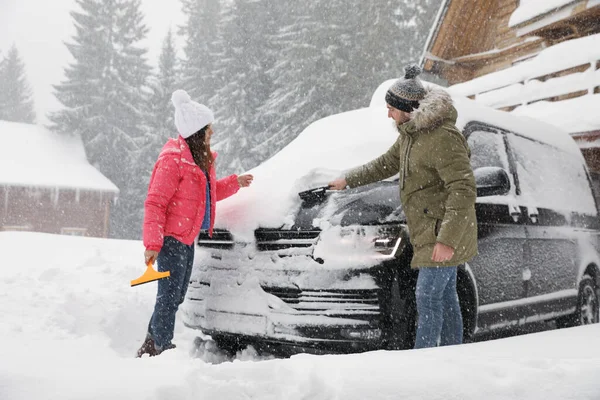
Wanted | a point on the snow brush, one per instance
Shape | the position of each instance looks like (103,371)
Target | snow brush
(150,275)
(314,196)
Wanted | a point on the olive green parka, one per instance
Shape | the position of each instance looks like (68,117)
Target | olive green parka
(437,186)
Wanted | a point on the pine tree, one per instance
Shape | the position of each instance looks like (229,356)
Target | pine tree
(105,97)
(307,71)
(161,125)
(201,32)
(383,36)
(245,58)
(334,54)
(16,96)
(278,65)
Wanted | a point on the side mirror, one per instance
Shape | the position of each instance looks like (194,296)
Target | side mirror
(491,181)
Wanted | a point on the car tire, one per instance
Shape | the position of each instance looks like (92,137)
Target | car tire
(468,301)
(587,306)
(229,344)
(408,332)
(398,318)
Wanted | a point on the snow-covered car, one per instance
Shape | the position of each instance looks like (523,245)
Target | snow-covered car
(329,271)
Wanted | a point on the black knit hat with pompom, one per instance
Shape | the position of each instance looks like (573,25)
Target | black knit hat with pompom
(406,92)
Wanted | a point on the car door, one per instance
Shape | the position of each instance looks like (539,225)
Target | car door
(501,235)
(555,188)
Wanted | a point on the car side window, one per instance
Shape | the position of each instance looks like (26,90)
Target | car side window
(487,150)
(550,177)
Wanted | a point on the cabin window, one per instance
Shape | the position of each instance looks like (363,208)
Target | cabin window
(20,228)
(73,231)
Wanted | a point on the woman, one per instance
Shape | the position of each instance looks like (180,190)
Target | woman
(181,200)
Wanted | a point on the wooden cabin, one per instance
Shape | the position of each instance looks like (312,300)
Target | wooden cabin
(539,58)
(47,184)
(470,39)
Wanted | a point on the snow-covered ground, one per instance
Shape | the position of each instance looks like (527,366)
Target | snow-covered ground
(70,325)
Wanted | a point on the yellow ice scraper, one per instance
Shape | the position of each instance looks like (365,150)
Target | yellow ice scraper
(150,275)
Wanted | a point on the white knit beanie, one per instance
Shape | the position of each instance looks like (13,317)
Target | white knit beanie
(190,116)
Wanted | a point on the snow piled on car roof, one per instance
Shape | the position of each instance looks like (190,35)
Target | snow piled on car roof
(321,153)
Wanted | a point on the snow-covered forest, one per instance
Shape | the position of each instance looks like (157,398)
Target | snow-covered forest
(267,68)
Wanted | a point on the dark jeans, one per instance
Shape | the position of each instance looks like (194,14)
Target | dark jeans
(438,308)
(178,258)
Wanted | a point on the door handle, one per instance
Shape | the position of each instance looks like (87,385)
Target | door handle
(533,214)
(514,211)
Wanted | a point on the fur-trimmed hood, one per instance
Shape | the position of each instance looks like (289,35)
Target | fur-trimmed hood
(433,110)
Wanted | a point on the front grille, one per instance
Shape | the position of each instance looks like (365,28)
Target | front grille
(272,240)
(346,303)
(221,239)
(266,239)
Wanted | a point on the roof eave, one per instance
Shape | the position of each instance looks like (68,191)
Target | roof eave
(434,30)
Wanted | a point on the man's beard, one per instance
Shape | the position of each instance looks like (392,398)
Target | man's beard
(397,125)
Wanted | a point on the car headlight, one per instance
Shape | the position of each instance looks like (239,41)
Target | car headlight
(388,240)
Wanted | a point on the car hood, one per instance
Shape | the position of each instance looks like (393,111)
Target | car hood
(374,204)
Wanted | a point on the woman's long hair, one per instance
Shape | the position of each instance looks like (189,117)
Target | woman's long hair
(200,149)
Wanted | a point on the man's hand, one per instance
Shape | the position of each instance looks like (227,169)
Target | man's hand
(245,180)
(442,253)
(338,184)
(150,256)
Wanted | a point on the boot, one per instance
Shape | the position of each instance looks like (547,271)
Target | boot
(148,348)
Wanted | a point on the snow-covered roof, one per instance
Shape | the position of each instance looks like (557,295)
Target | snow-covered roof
(31,155)
(573,115)
(535,90)
(559,57)
(434,29)
(530,9)
(518,86)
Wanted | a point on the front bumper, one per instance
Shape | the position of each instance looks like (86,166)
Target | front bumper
(339,320)
(293,334)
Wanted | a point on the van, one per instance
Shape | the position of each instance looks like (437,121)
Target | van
(329,272)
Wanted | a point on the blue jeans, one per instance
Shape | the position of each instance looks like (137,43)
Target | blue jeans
(178,258)
(438,308)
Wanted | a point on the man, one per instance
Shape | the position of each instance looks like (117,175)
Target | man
(437,190)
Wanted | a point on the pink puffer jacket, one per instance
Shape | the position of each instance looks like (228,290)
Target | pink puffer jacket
(177,196)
